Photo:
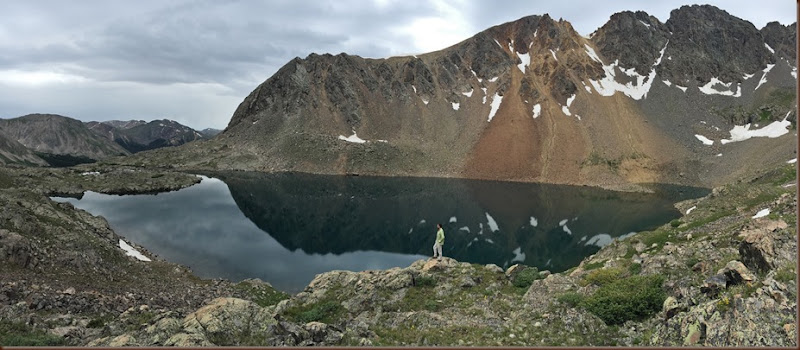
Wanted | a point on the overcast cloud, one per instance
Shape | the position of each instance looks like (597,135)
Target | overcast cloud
(194,61)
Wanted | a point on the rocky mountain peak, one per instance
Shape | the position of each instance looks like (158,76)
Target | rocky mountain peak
(634,38)
(782,39)
(703,36)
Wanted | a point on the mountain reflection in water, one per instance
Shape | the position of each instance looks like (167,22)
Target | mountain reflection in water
(319,223)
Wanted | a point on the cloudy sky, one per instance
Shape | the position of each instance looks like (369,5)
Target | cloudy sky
(194,61)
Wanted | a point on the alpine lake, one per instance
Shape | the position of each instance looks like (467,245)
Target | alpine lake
(286,228)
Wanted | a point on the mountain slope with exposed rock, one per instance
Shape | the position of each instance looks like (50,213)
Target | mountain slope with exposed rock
(60,136)
(13,152)
(531,100)
(138,135)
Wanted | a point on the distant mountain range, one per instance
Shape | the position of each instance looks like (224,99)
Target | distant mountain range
(63,141)
(636,101)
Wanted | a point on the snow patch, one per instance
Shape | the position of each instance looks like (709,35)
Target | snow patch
(498,43)
(681,87)
(465,228)
(534,222)
(484,95)
(537,110)
(709,90)
(608,85)
(496,100)
(518,255)
(456,106)
(526,60)
(453,219)
(690,209)
(492,224)
(791,161)
(562,222)
(352,138)
(761,213)
(588,89)
(493,80)
(773,130)
(424,100)
(667,82)
(490,240)
(468,94)
(747,76)
(130,251)
(704,140)
(554,54)
(567,230)
(600,240)
(764,76)
(719,154)
(415,88)
(642,22)
(769,48)
(91,173)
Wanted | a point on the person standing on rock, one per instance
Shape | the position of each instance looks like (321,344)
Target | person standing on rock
(437,246)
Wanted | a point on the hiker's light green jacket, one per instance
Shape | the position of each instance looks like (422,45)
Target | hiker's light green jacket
(440,237)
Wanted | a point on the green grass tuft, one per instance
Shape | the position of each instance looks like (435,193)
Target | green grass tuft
(632,298)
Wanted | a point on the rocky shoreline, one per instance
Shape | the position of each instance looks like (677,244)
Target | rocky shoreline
(720,276)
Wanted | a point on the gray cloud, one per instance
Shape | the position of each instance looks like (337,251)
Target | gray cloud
(213,53)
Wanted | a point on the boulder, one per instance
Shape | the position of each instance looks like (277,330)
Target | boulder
(16,249)
(736,273)
(757,249)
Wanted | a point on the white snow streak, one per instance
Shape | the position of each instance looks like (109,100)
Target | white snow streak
(537,110)
(496,100)
(667,82)
(704,140)
(130,251)
(567,230)
(642,22)
(492,224)
(468,94)
(526,60)
(424,100)
(592,54)
(764,76)
(484,95)
(562,222)
(761,213)
(681,87)
(534,222)
(91,173)
(690,209)
(769,48)
(565,109)
(493,80)
(465,228)
(554,54)
(415,88)
(791,161)
(773,130)
(453,219)
(456,105)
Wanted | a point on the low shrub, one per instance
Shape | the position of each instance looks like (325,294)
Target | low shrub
(603,276)
(675,223)
(327,311)
(525,278)
(570,298)
(631,298)
(20,334)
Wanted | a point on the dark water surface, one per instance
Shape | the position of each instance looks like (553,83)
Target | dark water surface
(286,228)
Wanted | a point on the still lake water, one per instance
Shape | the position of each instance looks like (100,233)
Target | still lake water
(286,228)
